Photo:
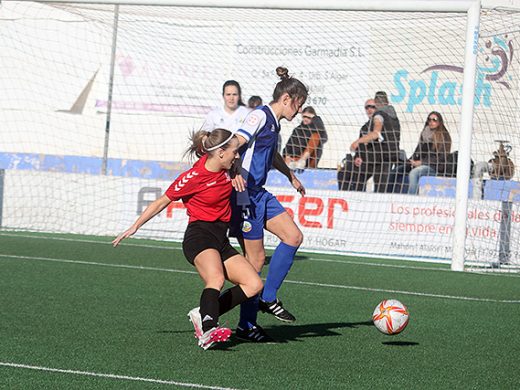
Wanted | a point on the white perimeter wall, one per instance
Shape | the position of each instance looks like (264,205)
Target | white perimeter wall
(337,222)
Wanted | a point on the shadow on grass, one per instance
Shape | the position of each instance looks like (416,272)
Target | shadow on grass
(285,333)
(400,343)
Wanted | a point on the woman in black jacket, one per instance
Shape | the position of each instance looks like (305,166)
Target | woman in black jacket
(429,158)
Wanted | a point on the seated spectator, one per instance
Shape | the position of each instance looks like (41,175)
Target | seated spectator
(376,150)
(430,156)
(254,101)
(305,145)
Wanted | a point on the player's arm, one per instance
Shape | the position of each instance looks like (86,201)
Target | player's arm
(252,123)
(151,211)
(237,181)
(280,165)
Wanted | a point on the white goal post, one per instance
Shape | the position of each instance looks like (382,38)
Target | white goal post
(413,98)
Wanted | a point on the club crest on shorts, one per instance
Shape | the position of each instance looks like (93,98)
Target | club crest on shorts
(246,226)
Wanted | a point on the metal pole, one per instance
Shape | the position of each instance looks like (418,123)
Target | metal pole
(2,175)
(466,128)
(110,90)
(504,252)
(351,5)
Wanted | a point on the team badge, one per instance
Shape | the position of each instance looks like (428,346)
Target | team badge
(252,120)
(246,227)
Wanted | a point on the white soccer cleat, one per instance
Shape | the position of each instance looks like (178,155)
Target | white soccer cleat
(214,335)
(194,316)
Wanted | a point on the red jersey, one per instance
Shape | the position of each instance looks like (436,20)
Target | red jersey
(205,194)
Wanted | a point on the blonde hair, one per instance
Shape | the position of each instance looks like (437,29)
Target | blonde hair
(203,142)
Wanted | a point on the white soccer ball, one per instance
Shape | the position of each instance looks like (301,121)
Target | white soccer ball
(390,316)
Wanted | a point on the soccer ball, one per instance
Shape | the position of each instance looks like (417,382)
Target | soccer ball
(390,316)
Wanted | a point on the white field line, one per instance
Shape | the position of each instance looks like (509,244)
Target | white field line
(89,241)
(316,259)
(340,286)
(127,266)
(113,376)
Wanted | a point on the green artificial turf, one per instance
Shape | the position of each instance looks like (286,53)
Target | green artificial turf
(75,303)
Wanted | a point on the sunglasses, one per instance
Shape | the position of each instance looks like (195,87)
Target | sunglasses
(307,117)
(433,120)
(369,106)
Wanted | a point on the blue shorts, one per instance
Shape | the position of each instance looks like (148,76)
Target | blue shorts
(248,221)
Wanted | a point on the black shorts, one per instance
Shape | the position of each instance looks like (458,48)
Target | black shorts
(201,235)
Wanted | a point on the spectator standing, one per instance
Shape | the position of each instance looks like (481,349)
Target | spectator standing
(361,165)
(232,114)
(386,126)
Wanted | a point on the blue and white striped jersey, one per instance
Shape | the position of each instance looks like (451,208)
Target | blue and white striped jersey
(260,129)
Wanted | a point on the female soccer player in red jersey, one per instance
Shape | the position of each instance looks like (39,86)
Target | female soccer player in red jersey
(205,190)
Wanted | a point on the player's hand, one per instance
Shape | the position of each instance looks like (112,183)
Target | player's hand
(238,183)
(122,236)
(298,185)
(358,161)
(354,146)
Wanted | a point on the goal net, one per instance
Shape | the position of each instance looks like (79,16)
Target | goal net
(98,101)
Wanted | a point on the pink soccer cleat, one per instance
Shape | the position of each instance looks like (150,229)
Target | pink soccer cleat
(214,335)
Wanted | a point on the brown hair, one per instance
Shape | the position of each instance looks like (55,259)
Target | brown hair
(233,83)
(310,110)
(254,101)
(381,98)
(441,138)
(287,84)
(203,140)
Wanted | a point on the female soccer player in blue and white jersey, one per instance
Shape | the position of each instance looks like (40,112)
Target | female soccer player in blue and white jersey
(256,208)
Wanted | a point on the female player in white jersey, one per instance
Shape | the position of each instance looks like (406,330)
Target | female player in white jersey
(205,190)
(232,114)
(256,209)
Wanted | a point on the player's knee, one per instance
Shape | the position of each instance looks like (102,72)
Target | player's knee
(295,239)
(257,261)
(216,282)
(256,286)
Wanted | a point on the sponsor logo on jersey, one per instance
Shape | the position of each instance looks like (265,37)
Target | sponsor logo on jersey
(246,226)
(211,184)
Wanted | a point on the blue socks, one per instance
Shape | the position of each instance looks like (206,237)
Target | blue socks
(281,262)
(249,311)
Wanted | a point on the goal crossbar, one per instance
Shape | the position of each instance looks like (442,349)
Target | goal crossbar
(461,6)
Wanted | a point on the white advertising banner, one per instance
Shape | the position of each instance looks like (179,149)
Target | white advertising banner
(355,223)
